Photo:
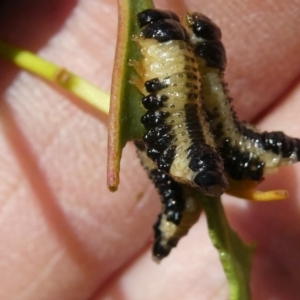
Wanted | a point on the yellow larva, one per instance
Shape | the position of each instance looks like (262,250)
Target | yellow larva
(178,147)
(246,152)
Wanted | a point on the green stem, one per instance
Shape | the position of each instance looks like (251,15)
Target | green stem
(57,75)
(235,256)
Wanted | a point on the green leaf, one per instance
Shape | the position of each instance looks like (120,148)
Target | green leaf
(125,106)
(234,254)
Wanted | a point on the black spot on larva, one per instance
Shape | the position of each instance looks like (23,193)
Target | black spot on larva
(153,85)
(278,142)
(163,142)
(160,251)
(172,204)
(159,148)
(153,153)
(153,101)
(153,15)
(157,232)
(213,53)
(165,30)
(164,98)
(154,118)
(165,160)
(169,190)
(207,160)
(241,165)
(169,194)
(152,135)
(174,217)
(203,27)
(218,132)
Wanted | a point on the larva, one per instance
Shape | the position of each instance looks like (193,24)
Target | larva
(180,211)
(178,146)
(178,138)
(246,153)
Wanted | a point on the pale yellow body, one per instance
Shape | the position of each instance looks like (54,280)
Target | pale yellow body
(170,62)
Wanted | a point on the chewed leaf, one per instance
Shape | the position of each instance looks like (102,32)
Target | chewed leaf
(125,107)
(234,254)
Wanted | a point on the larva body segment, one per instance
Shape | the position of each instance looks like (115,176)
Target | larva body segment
(178,137)
(247,153)
(179,210)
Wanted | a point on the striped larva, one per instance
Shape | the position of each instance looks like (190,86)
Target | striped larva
(179,73)
(178,147)
(178,138)
(246,152)
(180,210)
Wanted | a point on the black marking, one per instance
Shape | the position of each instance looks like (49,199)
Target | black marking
(165,30)
(165,160)
(153,153)
(153,119)
(153,15)
(242,165)
(154,85)
(206,37)
(155,136)
(204,159)
(278,142)
(161,251)
(203,27)
(153,101)
(213,53)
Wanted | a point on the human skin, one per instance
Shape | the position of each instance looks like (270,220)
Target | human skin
(63,234)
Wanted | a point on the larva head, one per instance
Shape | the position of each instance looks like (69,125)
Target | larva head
(202,27)
(210,177)
(213,53)
(149,16)
(165,30)
(211,183)
(206,37)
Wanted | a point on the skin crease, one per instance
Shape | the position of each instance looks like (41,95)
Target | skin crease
(63,234)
